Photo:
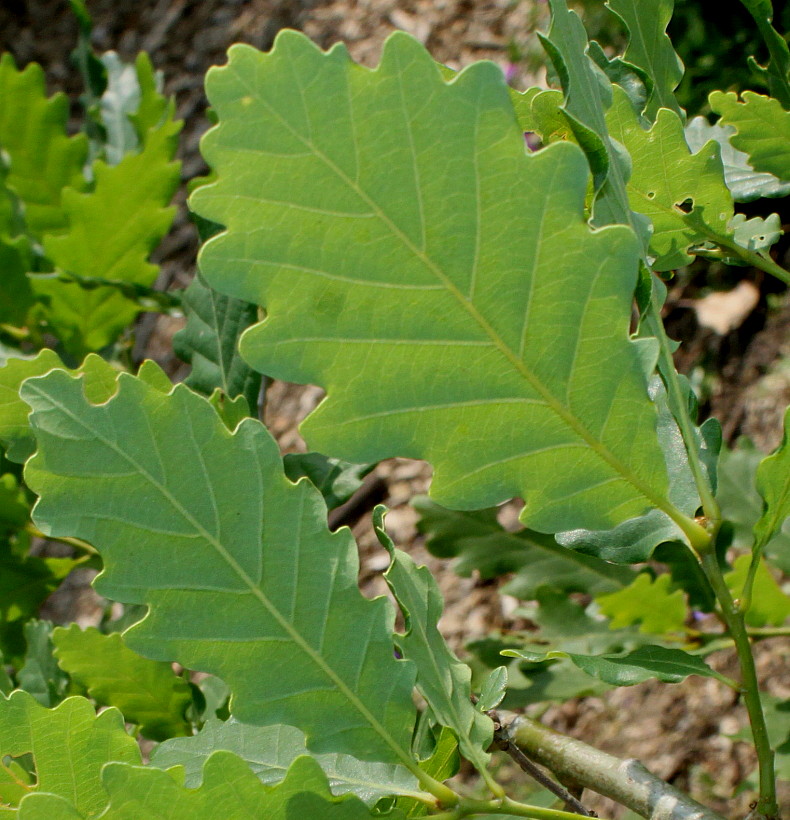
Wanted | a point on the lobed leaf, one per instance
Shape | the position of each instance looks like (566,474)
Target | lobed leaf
(649,602)
(777,73)
(270,750)
(479,543)
(39,675)
(210,342)
(42,159)
(336,480)
(762,130)
(16,295)
(650,49)
(69,746)
(768,605)
(443,680)
(111,232)
(146,692)
(644,663)
(446,265)
(163,478)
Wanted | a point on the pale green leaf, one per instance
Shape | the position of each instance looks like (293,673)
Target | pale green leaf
(228,784)
(442,679)
(768,605)
(447,266)
(664,175)
(154,107)
(648,602)
(493,690)
(69,745)
(478,542)
(210,343)
(42,159)
(650,49)
(755,234)
(146,692)
(270,750)
(762,129)
(121,98)
(151,464)
(43,806)
(744,182)
(645,663)
(773,484)
(111,232)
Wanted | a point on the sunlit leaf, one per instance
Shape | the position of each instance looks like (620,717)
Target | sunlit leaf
(648,602)
(768,604)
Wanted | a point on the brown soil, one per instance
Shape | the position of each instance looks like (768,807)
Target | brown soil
(680,732)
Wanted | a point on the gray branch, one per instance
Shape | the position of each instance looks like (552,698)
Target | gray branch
(627,782)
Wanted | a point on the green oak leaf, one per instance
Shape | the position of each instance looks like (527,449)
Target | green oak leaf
(773,484)
(768,606)
(69,745)
(442,679)
(210,341)
(442,764)
(111,232)
(650,49)
(16,295)
(644,663)
(649,602)
(493,689)
(633,80)
(744,182)
(42,159)
(39,675)
(446,266)
(151,464)
(762,130)
(14,507)
(270,750)
(664,176)
(478,542)
(228,785)
(755,234)
(146,692)
(777,73)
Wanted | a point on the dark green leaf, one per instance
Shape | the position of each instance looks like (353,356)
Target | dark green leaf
(336,480)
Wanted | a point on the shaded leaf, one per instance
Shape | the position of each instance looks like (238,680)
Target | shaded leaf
(777,73)
(480,543)
(16,295)
(493,689)
(500,406)
(650,49)
(762,129)
(111,232)
(644,663)
(442,764)
(69,745)
(744,182)
(39,675)
(768,604)
(146,692)
(336,480)
(646,601)
(270,750)
(151,464)
(442,679)
(773,484)
(42,159)
(210,342)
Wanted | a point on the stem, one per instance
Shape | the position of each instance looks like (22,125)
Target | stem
(733,617)
(748,584)
(678,406)
(468,807)
(626,781)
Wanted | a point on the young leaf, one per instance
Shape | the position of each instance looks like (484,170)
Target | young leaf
(493,689)
(762,129)
(270,750)
(111,232)
(650,49)
(146,692)
(69,745)
(442,679)
(768,604)
(647,602)
(210,340)
(447,265)
(744,182)
(297,643)
(645,663)
(773,484)
(42,159)
(479,542)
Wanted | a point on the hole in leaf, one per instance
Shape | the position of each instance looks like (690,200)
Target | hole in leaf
(686,206)
(651,194)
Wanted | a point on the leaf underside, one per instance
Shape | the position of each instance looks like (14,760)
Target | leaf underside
(391,222)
